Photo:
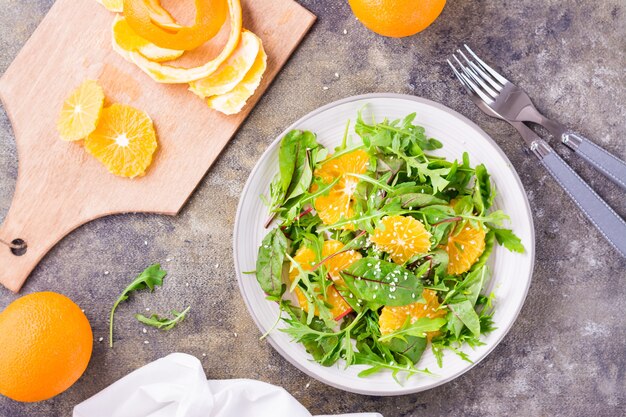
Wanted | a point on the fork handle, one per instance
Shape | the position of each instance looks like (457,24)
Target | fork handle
(608,222)
(611,166)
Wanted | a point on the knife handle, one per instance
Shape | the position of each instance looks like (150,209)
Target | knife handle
(603,217)
(611,166)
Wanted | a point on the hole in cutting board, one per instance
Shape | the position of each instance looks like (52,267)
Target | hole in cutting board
(19,247)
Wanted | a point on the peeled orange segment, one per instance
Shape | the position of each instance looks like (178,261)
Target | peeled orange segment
(116,6)
(81,111)
(125,38)
(124,141)
(232,71)
(464,249)
(338,203)
(146,17)
(337,259)
(234,101)
(175,75)
(402,237)
(305,257)
(393,318)
(333,255)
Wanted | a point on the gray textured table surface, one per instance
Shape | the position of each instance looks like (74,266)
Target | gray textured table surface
(565,355)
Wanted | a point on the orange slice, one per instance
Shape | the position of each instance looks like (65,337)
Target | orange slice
(124,141)
(126,39)
(175,75)
(402,237)
(81,111)
(334,264)
(339,202)
(231,72)
(393,318)
(234,101)
(464,249)
(116,6)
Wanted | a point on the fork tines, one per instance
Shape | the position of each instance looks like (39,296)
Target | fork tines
(478,77)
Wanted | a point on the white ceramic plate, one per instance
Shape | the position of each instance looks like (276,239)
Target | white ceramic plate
(511,272)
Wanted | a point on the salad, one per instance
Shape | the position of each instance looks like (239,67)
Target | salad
(379,249)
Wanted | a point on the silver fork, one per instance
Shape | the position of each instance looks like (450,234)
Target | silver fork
(513,103)
(478,80)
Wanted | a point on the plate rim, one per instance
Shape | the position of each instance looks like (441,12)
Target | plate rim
(402,390)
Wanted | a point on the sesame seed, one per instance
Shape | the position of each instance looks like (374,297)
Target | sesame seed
(146,342)
(100,339)
(345,31)
(144,330)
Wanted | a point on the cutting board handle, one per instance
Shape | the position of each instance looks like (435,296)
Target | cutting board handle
(39,229)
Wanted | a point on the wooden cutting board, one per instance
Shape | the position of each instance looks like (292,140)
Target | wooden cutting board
(59,186)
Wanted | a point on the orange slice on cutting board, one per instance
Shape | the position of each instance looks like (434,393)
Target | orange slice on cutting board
(234,101)
(124,141)
(116,6)
(81,111)
(233,71)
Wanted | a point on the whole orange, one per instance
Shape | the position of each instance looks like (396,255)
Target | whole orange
(45,346)
(397,18)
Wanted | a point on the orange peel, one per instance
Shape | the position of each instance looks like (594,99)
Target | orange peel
(146,18)
(125,38)
(168,74)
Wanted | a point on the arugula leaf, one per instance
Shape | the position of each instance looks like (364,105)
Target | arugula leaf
(163,323)
(382,282)
(509,240)
(150,278)
(269,263)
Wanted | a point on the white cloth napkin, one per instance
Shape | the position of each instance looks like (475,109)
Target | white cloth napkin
(176,386)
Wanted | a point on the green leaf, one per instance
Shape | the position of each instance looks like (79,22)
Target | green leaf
(383,282)
(269,263)
(509,240)
(303,183)
(291,155)
(412,347)
(150,278)
(484,257)
(465,312)
(416,200)
(163,323)
(483,194)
